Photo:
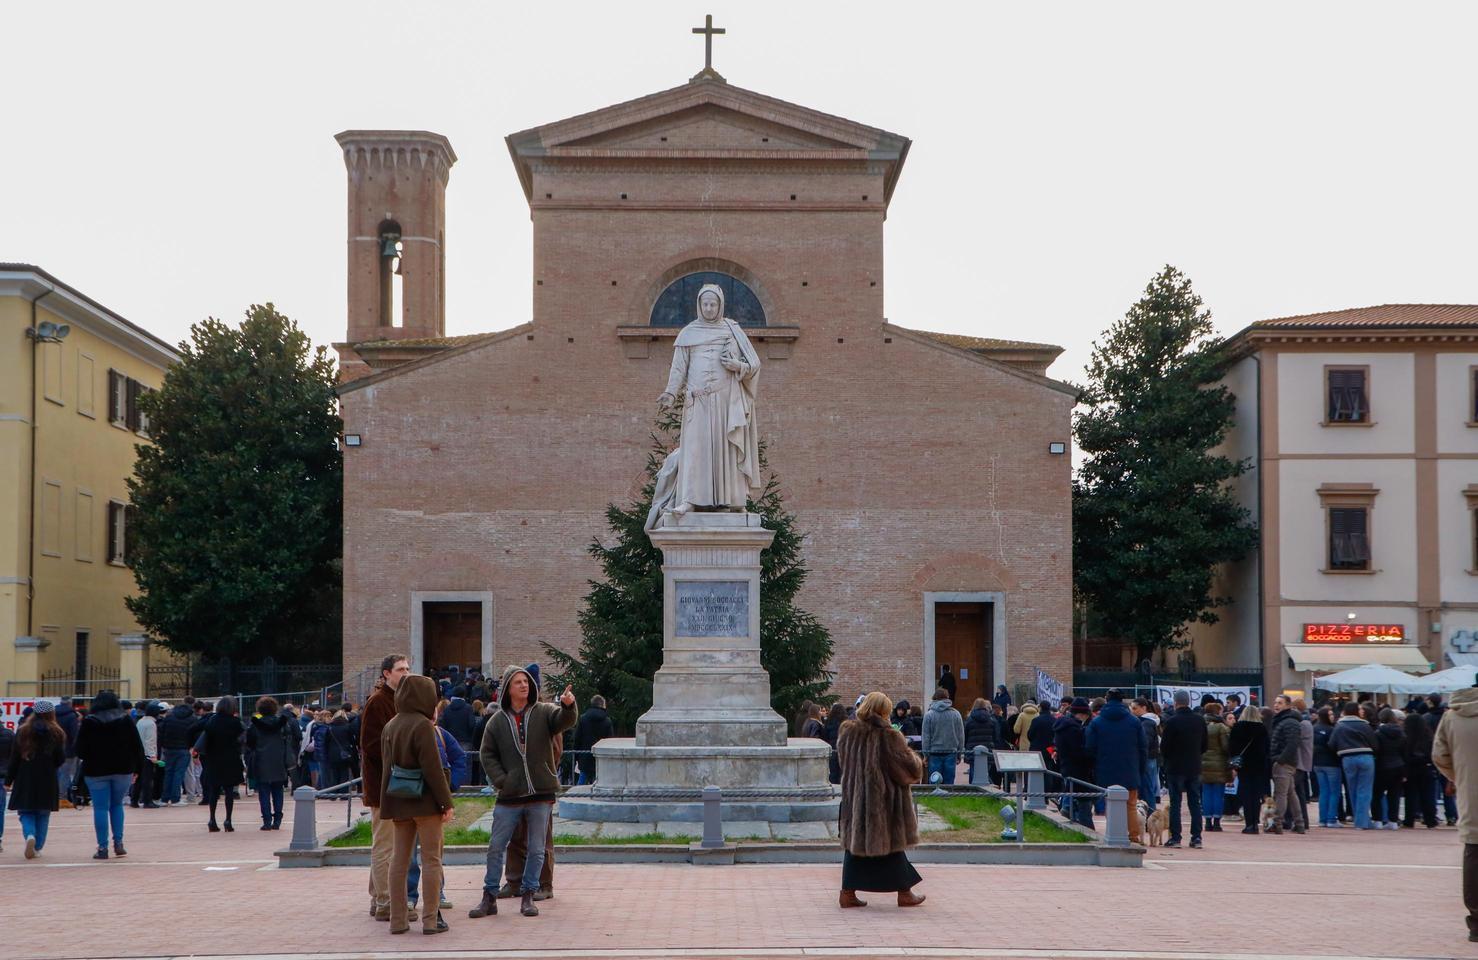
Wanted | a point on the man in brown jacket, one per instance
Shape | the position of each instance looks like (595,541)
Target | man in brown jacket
(518,755)
(378,711)
(1455,754)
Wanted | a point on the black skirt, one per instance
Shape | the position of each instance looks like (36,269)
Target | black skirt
(885,874)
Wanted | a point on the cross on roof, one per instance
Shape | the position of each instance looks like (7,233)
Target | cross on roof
(708,30)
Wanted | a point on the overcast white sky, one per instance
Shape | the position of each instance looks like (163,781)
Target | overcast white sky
(177,160)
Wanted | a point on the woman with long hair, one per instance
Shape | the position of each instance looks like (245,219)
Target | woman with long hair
(877,821)
(1327,773)
(40,748)
(112,753)
(1247,749)
(221,758)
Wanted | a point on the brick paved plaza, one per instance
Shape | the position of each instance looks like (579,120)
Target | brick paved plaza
(182,892)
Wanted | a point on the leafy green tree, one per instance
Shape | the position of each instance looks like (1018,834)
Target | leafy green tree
(1153,509)
(621,621)
(236,533)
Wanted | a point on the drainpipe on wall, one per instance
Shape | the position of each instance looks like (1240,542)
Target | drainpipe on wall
(31,534)
(1261,610)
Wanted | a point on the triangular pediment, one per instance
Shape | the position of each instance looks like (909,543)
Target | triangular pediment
(708,118)
(709,127)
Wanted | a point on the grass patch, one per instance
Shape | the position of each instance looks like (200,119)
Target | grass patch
(651,839)
(977,819)
(457,832)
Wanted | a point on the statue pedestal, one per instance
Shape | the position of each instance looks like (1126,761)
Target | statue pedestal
(711,723)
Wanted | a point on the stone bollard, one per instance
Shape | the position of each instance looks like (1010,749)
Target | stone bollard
(713,821)
(1036,786)
(305,819)
(1116,820)
(980,769)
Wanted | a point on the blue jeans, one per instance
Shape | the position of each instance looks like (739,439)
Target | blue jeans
(269,798)
(1149,791)
(1190,787)
(34,824)
(65,774)
(1449,804)
(1213,799)
(1360,776)
(108,796)
(176,762)
(1329,787)
(942,762)
(506,818)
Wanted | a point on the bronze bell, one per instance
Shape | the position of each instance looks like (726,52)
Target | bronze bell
(390,245)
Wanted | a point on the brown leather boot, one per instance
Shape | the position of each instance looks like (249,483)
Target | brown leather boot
(907,898)
(486,908)
(527,907)
(849,899)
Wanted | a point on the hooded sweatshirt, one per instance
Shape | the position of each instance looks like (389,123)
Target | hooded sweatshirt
(944,730)
(409,740)
(518,747)
(1455,754)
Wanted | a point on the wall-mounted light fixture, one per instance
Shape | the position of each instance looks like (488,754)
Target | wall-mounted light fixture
(48,332)
(1056,447)
(352,440)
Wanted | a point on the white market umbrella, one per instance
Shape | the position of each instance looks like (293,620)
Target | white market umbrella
(1452,679)
(1373,678)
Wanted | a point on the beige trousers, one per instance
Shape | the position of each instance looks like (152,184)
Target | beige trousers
(428,830)
(382,843)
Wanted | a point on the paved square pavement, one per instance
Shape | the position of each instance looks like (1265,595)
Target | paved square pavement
(185,892)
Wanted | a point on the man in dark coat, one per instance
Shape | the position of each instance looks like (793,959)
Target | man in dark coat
(1182,742)
(1073,759)
(174,745)
(379,710)
(1040,732)
(947,681)
(1120,751)
(457,718)
(70,721)
(1286,735)
(594,726)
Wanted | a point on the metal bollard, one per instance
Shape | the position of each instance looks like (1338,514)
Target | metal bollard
(1116,821)
(713,821)
(305,819)
(980,769)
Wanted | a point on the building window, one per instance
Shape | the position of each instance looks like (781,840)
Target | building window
(1347,512)
(1471,492)
(678,304)
(1347,395)
(1473,396)
(51,371)
(1349,538)
(117,398)
(84,526)
(81,663)
(86,388)
(120,546)
(51,518)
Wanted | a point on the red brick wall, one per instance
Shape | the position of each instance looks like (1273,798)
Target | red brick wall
(912,467)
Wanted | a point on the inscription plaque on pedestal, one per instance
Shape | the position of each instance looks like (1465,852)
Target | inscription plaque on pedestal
(711,608)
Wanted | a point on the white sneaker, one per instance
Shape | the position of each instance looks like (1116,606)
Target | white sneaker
(30,848)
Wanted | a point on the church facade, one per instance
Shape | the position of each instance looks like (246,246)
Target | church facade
(928,471)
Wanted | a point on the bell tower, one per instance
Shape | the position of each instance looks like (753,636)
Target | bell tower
(397,238)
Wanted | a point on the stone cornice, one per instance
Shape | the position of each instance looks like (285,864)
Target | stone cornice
(416,149)
(65,301)
(1253,339)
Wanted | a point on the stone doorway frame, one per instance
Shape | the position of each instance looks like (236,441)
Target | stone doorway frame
(997,600)
(419,599)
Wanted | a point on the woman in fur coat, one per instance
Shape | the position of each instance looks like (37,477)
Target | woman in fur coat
(877,815)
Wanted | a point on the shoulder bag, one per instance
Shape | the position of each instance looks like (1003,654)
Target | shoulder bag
(407,783)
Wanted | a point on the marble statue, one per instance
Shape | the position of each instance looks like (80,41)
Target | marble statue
(716,371)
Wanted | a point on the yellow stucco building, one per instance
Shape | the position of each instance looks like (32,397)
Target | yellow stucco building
(70,373)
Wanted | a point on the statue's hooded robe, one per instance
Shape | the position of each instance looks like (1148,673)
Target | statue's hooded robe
(716,463)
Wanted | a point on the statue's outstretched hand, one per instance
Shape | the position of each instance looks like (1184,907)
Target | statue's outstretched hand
(666,400)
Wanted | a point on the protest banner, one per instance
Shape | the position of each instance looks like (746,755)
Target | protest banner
(1165,694)
(1049,690)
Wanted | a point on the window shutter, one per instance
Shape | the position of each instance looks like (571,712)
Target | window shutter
(133,405)
(1349,547)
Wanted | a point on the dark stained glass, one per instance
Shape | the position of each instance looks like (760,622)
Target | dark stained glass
(678,304)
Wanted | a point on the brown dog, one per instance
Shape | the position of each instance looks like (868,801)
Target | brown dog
(1156,824)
